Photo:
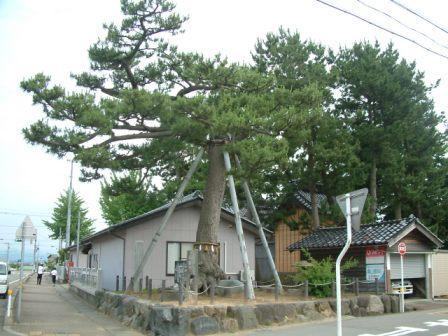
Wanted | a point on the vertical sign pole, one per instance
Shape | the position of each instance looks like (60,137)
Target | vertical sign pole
(22,255)
(69,208)
(402,285)
(338,264)
(77,238)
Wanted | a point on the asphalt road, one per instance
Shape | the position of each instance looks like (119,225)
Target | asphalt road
(418,323)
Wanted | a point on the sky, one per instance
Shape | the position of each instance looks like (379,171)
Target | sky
(53,36)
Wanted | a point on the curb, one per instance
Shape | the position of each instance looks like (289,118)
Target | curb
(11,320)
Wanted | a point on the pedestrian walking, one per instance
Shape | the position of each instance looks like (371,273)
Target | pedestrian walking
(40,273)
(53,276)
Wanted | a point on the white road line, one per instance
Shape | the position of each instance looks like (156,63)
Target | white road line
(399,332)
(438,323)
(11,282)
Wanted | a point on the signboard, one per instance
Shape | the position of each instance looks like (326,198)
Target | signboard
(375,255)
(357,200)
(375,271)
(181,271)
(402,248)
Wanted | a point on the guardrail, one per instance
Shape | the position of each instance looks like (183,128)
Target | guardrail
(86,277)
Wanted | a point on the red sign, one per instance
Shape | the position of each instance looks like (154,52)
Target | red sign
(372,252)
(402,248)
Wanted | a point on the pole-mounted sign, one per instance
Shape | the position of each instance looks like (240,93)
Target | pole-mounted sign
(402,248)
(351,205)
(357,200)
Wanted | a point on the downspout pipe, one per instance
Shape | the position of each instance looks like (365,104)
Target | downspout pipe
(124,251)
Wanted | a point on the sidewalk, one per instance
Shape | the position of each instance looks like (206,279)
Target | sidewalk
(48,310)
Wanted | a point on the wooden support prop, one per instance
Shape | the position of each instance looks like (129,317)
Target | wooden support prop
(377,287)
(124,283)
(146,283)
(168,214)
(117,283)
(140,285)
(356,286)
(333,289)
(249,293)
(264,242)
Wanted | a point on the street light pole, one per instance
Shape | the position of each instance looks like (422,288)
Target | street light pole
(338,263)
(69,208)
(77,238)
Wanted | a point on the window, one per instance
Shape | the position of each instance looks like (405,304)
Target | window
(138,253)
(2,269)
(176,251)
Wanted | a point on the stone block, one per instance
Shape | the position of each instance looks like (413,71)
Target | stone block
(244,315)
(264,314)
(204,325)
(386,303)
(308,309)
(376,306)
(395,303)
(128,304)
(163,323)
(345,306)
(229,325)
(324,308)
(219,311)
(234,287)
(363,301)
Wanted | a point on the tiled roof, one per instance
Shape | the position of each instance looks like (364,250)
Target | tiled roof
(304,198)
(369,234)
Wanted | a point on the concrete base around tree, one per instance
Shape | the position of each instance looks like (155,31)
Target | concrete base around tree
(162,319)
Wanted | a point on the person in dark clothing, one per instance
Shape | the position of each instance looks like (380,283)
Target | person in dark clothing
(54,273)
(40,273)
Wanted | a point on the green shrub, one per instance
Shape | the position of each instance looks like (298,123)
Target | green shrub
(319,272)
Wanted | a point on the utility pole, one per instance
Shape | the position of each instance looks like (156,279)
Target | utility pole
(77,238)
(69,208)
(60,239)
(34,254)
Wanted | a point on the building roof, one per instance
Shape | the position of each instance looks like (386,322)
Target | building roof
(303,197)
(382,233)
(190,198)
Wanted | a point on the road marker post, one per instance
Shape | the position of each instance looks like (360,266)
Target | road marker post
(8,314)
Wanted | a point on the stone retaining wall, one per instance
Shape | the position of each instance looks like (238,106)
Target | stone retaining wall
(160,319)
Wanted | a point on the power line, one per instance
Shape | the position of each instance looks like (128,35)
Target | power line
(401,23)
(418,15)
(23,214)
(382,28)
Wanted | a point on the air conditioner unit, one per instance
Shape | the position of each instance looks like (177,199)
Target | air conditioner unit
(243,278)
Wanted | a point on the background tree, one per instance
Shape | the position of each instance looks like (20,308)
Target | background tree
(385,103)
(58,223)
(320,150)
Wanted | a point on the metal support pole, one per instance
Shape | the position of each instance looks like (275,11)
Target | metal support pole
(69,208)
(250,295)
(78,227)
(168,214)
(253,210)
(338,264)
(22,255)
(402,285)
(34,255)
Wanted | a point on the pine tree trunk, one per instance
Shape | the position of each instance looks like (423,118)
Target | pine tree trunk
(419,210)
(373,188)
(397,209)
(210,215)
(314,208)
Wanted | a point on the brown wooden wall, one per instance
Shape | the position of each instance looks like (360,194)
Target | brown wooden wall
(284,260)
